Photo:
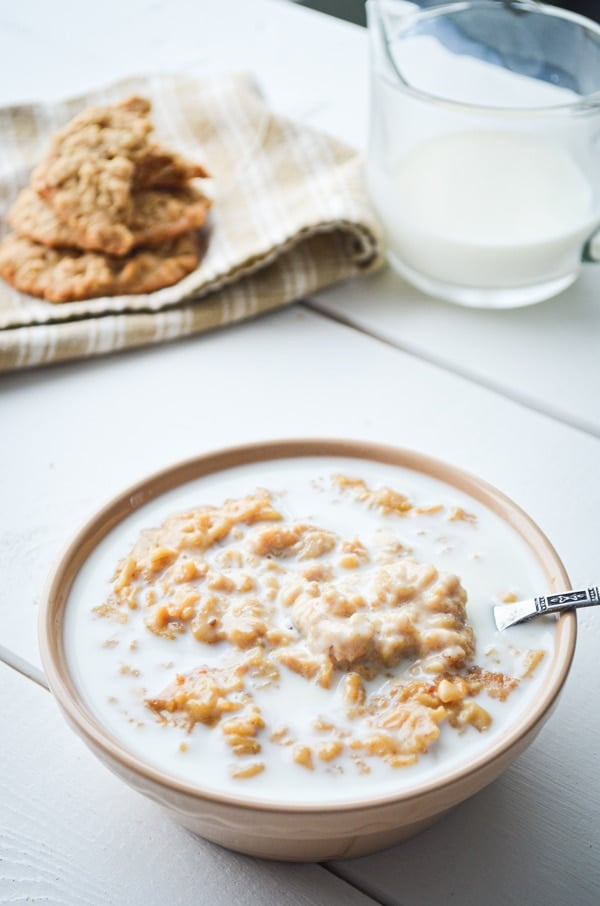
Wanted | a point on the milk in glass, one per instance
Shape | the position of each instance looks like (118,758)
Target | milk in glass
(486,208)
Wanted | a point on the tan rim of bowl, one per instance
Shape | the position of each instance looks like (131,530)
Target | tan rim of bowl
(59,586)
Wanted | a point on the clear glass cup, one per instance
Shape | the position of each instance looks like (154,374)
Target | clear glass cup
(484,149)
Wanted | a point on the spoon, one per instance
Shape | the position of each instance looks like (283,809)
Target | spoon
(506,615)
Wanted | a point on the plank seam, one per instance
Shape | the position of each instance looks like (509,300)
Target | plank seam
(556,415)
(23,667)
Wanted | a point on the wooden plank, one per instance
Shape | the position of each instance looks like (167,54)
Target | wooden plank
(544,356)
(71,833)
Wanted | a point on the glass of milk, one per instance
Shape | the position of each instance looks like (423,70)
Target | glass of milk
(484,148)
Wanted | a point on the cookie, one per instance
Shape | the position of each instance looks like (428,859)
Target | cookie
(99,140)
(68,275)
(155,216)
(162,169)
(159,215)
(95,163)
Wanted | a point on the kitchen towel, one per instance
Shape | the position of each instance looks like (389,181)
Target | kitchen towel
(289,217)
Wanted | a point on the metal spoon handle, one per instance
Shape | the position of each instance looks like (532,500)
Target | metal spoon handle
(506,615)
(566,599)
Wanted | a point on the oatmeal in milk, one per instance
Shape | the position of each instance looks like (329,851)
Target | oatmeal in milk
(319,629)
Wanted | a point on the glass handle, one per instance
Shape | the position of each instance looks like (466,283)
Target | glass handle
(588,254)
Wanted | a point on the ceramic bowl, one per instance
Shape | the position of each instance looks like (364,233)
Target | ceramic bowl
(284,830)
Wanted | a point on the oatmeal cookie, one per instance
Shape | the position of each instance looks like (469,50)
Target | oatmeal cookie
(162,169)
(156,215)
(93,166)
(67,275)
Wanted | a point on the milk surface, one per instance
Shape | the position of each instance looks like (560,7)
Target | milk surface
(490,559)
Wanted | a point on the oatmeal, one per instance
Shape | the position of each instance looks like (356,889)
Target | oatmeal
(330,629)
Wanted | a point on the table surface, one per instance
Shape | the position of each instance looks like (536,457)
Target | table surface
(511,396)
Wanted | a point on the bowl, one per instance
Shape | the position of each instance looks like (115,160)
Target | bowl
(286,827)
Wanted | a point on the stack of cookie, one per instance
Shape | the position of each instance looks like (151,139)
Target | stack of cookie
(107,212)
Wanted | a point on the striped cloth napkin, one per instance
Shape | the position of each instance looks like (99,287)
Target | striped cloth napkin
(289,217)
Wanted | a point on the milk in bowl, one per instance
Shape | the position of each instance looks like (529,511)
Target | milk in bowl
(314,630)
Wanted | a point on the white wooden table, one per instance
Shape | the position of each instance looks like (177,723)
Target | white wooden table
(512,396)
